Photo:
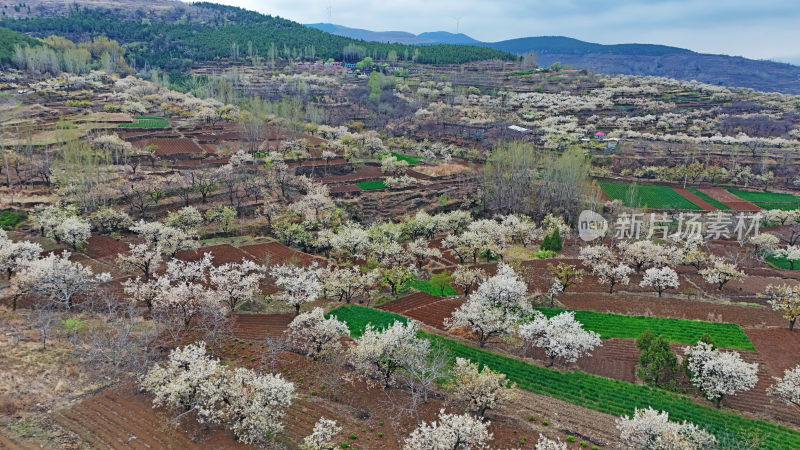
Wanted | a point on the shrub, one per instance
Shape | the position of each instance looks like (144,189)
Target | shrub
(552,242)
(570,439)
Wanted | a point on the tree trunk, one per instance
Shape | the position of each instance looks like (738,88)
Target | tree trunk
(791,322)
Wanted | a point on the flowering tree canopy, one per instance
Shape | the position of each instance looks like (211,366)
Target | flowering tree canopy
(717,374)
(652,430)
(480,390)
(316,336)
(452,431)
(560,336)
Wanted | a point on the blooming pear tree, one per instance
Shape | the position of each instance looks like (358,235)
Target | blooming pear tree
(786,300)
(560,336)
(545,443)
(421,251)
(764,243)
(140,257)
(169,239)
(660,279)
(381,354)
(187,219)
(495,307)
(316,336)
(721,272)
(640,254)
(612,275)
(717,374)
(321,436)
(235,283)
(652,429)
(787,389)
(57,278)
(480,390)
(791,253)
(74,231)
(352,241)
(299,285)
(451,431)
(252,405)
(348,282)
(16,255)
(184,293)
(466,278)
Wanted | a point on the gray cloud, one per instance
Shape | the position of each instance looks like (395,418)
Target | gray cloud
(765,29)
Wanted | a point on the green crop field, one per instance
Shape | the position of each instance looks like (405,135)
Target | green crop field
(768,197)
(410,159)
(783,206)
(727,335)
(371,185)
(711,200)
(591,391)
(146,122)
(434,288)
(782,263)
(10,218)
(658,197)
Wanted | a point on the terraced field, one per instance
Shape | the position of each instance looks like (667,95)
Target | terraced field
(637,196)
(728,335)
(602,394)
(146,122)
(768,200)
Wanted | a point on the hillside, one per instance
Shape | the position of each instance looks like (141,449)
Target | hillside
(629,59)
(8,40)
(208,31)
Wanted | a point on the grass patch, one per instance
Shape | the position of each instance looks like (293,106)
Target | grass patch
(780,262)
(371,185)
(639,196)
(10,218)
(765,197)
(709,199)
(591,391)
(412,160)
(146,122)
(727,335)
(436,288)
(783,206)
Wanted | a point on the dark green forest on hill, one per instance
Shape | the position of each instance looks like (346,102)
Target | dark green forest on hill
(233,30)
(9,39)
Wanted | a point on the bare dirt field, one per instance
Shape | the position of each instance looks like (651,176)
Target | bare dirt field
(736,203)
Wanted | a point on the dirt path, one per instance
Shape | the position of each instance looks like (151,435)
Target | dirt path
(7,444)
(736,203)
(695,199)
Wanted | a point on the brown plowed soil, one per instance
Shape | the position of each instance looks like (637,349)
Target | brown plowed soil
(361,173)
(746,316)
(101,246)
(277,253)
(424,307)
(7,444)
(260,326)
(122,417)
(736,203)
(778,347)
(171,146)
(223,254)
(695,199)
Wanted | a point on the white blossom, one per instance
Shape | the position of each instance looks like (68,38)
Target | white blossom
(495,307)
(311,333)
(480,390)
(298,284)
(321,436)
(660,279)
(561,336)
(380,354)
(452,431)
(717,374)
(652,430)
(787,388)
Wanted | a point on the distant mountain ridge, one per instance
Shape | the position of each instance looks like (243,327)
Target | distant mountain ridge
(629,59)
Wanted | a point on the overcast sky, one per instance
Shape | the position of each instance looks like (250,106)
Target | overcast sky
(760,29)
